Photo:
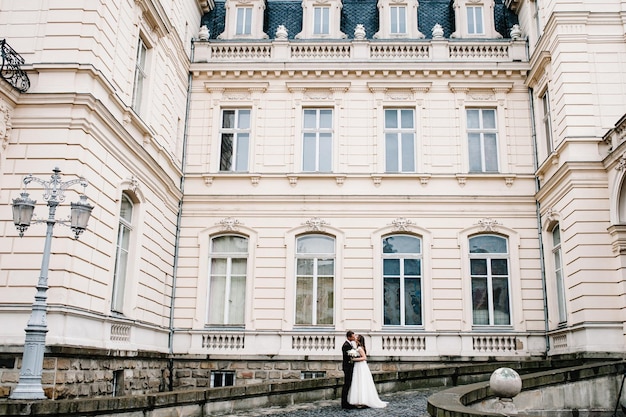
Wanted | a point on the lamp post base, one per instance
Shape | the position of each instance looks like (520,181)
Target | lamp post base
(27,390)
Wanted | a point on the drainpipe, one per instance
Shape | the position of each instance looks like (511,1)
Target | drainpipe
(542,262)
(183,163)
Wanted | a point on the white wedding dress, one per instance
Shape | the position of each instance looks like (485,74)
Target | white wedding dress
(363,391)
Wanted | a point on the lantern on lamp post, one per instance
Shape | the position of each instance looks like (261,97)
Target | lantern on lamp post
(29,385)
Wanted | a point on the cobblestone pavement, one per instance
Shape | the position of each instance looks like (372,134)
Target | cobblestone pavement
(401,404)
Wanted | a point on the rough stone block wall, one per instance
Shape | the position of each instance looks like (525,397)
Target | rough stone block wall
(81,373)
(73,377)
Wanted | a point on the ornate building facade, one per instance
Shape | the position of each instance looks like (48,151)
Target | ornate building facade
(443,176)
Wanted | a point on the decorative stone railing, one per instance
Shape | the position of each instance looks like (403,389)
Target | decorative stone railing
(494,343)
(217,51)
(479,51)
(312,343)
(403,343)
(379,344)
(223,341)
(399,51)
(320,51)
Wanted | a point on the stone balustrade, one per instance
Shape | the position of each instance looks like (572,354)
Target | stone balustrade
(346,51)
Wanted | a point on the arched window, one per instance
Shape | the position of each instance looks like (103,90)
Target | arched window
(402,280)
(489,268)
(122,253)
(558,273)
(315,280)
(622,203)
(227,280)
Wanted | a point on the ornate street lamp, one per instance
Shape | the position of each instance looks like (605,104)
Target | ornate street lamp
(29,385)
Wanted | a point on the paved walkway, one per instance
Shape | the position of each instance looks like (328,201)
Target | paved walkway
(403,404)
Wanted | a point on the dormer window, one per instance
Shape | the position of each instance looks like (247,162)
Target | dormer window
(321,19)
(398,19)
(244,20)
(474,19)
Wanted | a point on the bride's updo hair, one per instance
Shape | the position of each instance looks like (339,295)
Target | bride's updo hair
(361,341)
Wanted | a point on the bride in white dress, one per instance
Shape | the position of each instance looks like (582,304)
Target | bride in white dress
(363,391)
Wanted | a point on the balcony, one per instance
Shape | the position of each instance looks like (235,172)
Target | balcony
(433,51)
(10,70)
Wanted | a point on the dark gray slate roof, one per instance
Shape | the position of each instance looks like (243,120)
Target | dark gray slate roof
(365,12)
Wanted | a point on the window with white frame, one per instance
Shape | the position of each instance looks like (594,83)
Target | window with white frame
(141,75)
(122,248)
(222,379)
(402,280)
(244,21)
(227,280)
(399,140)
(482,136)
(489,269)
(317,140)
(547,124)
(475,24)
(315,280)
(558,273)
(398,19)
(235,140)
(321,20)
(474,19)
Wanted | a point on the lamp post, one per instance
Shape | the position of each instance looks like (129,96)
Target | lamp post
(29,385)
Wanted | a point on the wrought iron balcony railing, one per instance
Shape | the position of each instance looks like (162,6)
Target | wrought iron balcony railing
(10,70)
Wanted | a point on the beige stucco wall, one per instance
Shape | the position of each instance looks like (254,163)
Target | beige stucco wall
(77,114)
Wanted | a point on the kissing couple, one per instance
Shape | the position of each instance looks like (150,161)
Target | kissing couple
(358,389)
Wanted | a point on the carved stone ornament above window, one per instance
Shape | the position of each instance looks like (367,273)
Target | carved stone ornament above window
(315,224)
(155,16)
(488,225)
(401,224)
(229,224)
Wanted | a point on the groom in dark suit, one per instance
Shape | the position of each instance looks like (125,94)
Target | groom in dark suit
(348,367)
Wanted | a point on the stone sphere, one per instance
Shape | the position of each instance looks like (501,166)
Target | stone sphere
(505,383)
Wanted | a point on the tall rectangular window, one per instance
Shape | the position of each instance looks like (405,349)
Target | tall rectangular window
(398,19)
(122,249)
(536,17)
(227,280)
(475,20)
(317,140)
(321,20)
(140,76)
(558,273)
(244,21)
(315,280)
(547,124)
(489,268)
(482,140)
(235,145)
(402,280)
(399,140)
